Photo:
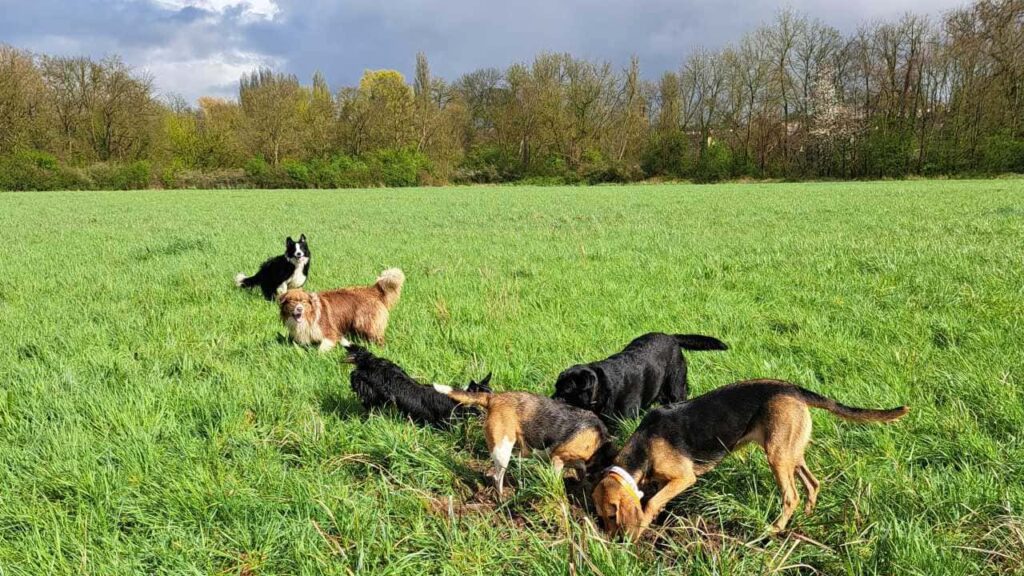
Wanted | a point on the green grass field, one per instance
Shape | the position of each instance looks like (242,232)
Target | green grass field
(153,421)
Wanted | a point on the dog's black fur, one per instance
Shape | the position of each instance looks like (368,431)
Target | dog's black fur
(378,382)
(651,368)
(279,273)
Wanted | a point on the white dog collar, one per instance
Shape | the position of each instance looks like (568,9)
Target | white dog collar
(626,479)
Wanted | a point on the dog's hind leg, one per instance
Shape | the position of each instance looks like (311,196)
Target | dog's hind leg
(576,451)
(675,387)
(783,469)
(372,325)
(501,453)
(788,433)
(811,484)
(500,441)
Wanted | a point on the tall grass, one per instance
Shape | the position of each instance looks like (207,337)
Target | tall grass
(152,420)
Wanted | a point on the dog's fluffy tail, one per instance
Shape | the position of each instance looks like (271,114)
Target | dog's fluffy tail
(390,284)
(699,342)
(241,280)
(482,399)
(849,412)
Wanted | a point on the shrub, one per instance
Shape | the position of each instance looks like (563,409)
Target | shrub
(665,156)
(1001,153)
(110,176)
(27,170)
(886,151)
(34,170)
(397,168)
(597,169)
(257,167)
(486,165)
(212,179)
(298,173)
(262,175)
(714,163)
(351,172)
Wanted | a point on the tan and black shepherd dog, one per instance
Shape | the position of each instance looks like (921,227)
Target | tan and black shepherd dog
(675,444)
(573,436)
(324,318)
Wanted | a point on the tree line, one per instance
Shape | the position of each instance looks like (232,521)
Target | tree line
(793,99)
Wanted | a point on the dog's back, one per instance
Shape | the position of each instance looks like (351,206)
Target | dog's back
(363,309)
(710,426)
(540,422)
(651,368)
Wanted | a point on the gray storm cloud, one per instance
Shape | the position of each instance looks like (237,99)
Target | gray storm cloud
(198,47)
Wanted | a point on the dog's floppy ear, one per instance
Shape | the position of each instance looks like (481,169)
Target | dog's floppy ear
(628,517)
(586,383)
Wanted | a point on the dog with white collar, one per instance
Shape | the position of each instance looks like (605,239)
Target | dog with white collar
(675,444)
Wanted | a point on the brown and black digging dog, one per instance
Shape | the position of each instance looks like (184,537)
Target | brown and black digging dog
(574,437)
(324,318)
(675,444)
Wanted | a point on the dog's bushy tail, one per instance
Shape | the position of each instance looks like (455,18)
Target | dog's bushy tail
(390,284)
(242,281)
(699,342)
(482,399)
(849,412)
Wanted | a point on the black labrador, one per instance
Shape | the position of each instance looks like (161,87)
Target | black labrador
(650,369)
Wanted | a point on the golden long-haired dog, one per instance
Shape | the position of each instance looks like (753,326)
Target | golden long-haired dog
(675,444)
(324,318)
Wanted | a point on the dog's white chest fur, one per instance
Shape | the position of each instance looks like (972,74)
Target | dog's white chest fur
(305,333)
(296,280)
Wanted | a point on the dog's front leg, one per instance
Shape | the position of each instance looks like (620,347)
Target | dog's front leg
(657,502)
(326,345)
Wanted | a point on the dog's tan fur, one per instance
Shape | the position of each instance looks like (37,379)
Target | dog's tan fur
(324,318)
(514,417)
(783,433)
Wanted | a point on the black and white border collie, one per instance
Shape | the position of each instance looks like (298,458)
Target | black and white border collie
(280,273)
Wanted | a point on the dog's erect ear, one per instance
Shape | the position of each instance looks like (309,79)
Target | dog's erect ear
(302,239)
(288,243)
(486,380)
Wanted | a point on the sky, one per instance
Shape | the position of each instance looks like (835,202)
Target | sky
(201,47)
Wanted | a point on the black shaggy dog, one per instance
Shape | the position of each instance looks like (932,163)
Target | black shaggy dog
(650,369)
(280,273)
(378,382)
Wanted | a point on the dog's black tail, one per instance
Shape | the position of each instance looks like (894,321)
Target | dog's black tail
(849,412)
(699,342)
